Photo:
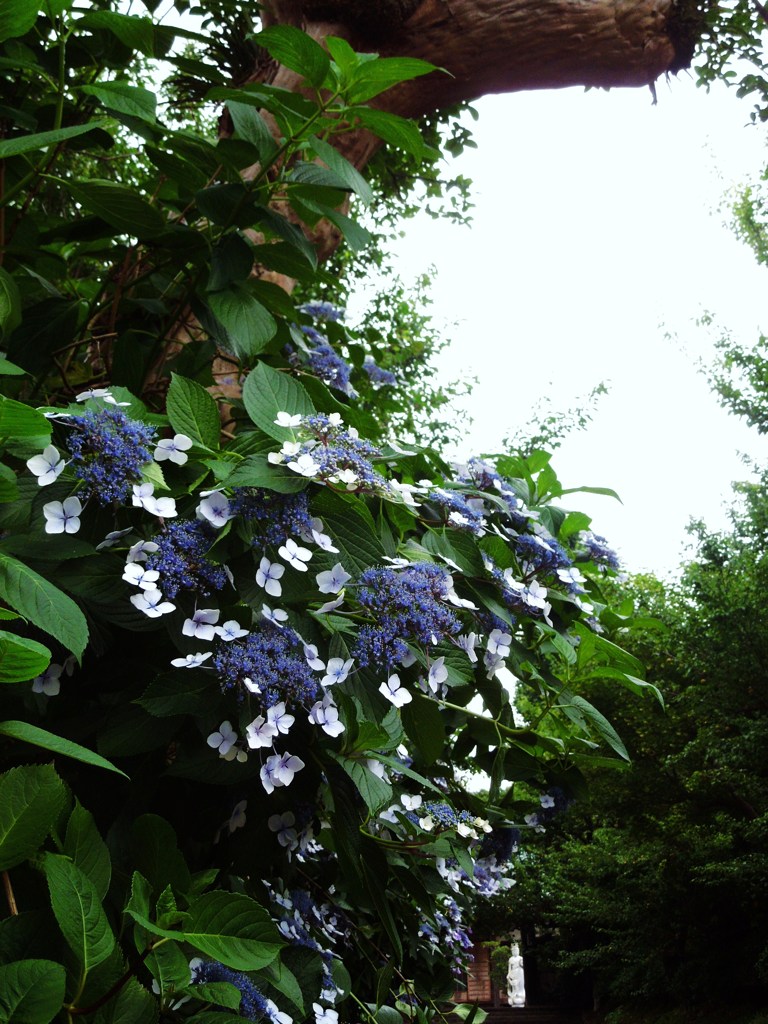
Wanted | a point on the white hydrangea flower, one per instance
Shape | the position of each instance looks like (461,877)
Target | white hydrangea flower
(62,516)
(46,467)
(173,449)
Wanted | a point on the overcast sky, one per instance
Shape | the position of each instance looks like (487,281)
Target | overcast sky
(597,232)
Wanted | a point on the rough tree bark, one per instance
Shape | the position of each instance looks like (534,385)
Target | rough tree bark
(493,46)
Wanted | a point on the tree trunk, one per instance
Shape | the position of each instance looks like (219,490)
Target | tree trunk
(493,46)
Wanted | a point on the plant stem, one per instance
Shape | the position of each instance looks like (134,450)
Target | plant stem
(10,898)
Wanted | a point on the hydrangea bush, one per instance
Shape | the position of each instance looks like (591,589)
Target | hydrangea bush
(250,656)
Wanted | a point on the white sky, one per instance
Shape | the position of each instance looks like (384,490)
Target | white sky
(596,231)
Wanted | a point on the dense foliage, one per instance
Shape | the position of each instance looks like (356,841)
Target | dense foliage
(245,670)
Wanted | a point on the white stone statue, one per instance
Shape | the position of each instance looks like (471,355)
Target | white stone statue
(515,978)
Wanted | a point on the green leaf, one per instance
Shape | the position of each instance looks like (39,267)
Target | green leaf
(31,798)
(351,529)
(375,791)
(220,993)
(135,33)
(378,75)
(31,991)
(132,1005)
(229,927)
(10,309)
(124,98)
(424,725)
(267,392)
(255,471)
(248,324)
(87,850)
(9,488)
(21,659)
(43,604)
(9,369)
(297,51)
(57,744)
(16,18)
(156,854)
(184,692)
(192,411)
(233,929)
(607,491)
(251,126)
(122,208)
(342,168)
(42,140)
(395,130)
(21,421)
(574,706)
(78,911)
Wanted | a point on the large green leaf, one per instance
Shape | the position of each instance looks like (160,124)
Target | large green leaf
(31,991)
(395,130)
(10,306)
(31,798)
(251,126)
(21,659)
(122,208)
(42,140)
(342,168)
(124,98)
(192,411)
(267,392)
(581,711)
(20,421)
(46,606)
(256,471)
(375,791)
(137,33)
(85,847)
(376,76)
(351,529)
(424,726)
(78,910)
(248,324)
(229,927)
(297,51)
(57,744)
(16,18)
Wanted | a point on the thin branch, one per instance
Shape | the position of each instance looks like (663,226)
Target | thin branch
(11,899)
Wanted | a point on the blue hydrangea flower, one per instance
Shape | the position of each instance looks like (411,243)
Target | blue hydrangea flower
(322,311)
(108,452)
(272,660)
(331,368)
(599,551)
(253,1004)
(540,556)
(405,605)
(457,511)
(377,375)
(181,558)
(279,516)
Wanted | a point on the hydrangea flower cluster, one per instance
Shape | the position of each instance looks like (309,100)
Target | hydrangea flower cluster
(538,555)
(304,922)
(322,310)
(486,478)
(270,662)
(254,1005)
(407,604)
(181,561)
(460,512)
(448,934)
(278,516)
(599,551)
(377,375)
(108,452)
(330,367)
(332,454)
